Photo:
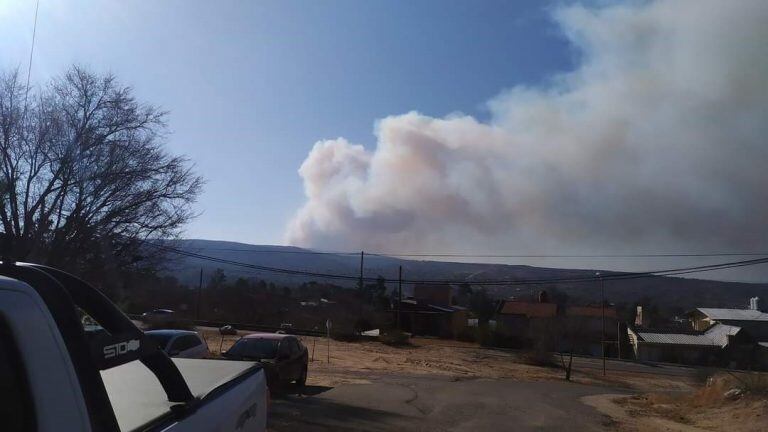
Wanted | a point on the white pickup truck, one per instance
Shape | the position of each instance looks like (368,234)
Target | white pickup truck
(55,376)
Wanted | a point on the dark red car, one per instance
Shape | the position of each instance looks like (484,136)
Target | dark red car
(284,357)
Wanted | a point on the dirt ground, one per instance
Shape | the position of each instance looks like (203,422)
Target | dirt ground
(704,409)
(670,403)
(349,361)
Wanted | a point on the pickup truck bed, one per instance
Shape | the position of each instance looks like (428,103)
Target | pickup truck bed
(139,400)
(111,379)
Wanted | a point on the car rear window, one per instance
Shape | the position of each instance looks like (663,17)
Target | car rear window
(186,342)
(255,348)
(161,339)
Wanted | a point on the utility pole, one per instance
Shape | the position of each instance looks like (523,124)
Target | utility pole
(399,295)
(199,295)
(602,308)
(328,338)
(618,339)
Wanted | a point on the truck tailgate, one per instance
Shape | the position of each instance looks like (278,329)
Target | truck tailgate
(138,399)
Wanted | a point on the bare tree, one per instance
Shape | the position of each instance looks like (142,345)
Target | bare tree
(83,174)
(574,335)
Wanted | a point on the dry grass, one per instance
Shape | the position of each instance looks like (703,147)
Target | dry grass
(707,408)
(670,403)
(352,361)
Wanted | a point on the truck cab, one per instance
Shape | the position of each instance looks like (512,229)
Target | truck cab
(55,376)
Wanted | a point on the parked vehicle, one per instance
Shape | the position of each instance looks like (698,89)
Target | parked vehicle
(57,377)
(180,343)
(284,357)
(158,316)
(227,330)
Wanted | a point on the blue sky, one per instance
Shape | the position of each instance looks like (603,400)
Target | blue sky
(251,86)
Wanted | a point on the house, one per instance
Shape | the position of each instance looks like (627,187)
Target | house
(572,328)
(584,328)
(436,294)
(424,319)
(753,319)
(527,323)
(719,345)
(429,312)
(761,356)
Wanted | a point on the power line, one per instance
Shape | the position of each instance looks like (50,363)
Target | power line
(610,276)
(29,66)
(466,255)
(657,255)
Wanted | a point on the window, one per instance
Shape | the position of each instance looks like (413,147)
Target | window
(161,339)
(285,348)
(254,348)
(294,347)
(16,409)
(183,343)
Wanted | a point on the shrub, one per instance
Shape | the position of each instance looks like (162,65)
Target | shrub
(346,336)
(703,375)
(467,334)
(395,338)
(754,382)
(537,357)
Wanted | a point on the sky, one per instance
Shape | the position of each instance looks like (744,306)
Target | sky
(447,126)
(252,85)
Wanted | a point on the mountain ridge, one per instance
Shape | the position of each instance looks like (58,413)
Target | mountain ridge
(669,291)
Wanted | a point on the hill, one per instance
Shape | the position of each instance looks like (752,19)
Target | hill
(665,291)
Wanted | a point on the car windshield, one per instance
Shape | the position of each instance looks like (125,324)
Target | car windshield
(255,348)
(160,338)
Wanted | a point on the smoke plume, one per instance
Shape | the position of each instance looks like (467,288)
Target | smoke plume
(655,142)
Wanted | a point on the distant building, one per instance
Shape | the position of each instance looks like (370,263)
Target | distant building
(519,309)
(430,312)
(719,345)
(584,328)
(436,294)
(524,323)
(474,322)
(565,329)
(753,320)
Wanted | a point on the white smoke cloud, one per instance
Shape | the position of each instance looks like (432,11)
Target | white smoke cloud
(656,142)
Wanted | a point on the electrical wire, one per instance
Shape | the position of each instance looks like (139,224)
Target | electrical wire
(466,255)
(29,66)
(604,277)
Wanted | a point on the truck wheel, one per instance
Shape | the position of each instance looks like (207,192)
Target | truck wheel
(303,378)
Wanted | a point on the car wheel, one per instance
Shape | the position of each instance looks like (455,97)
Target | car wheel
(303,377)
